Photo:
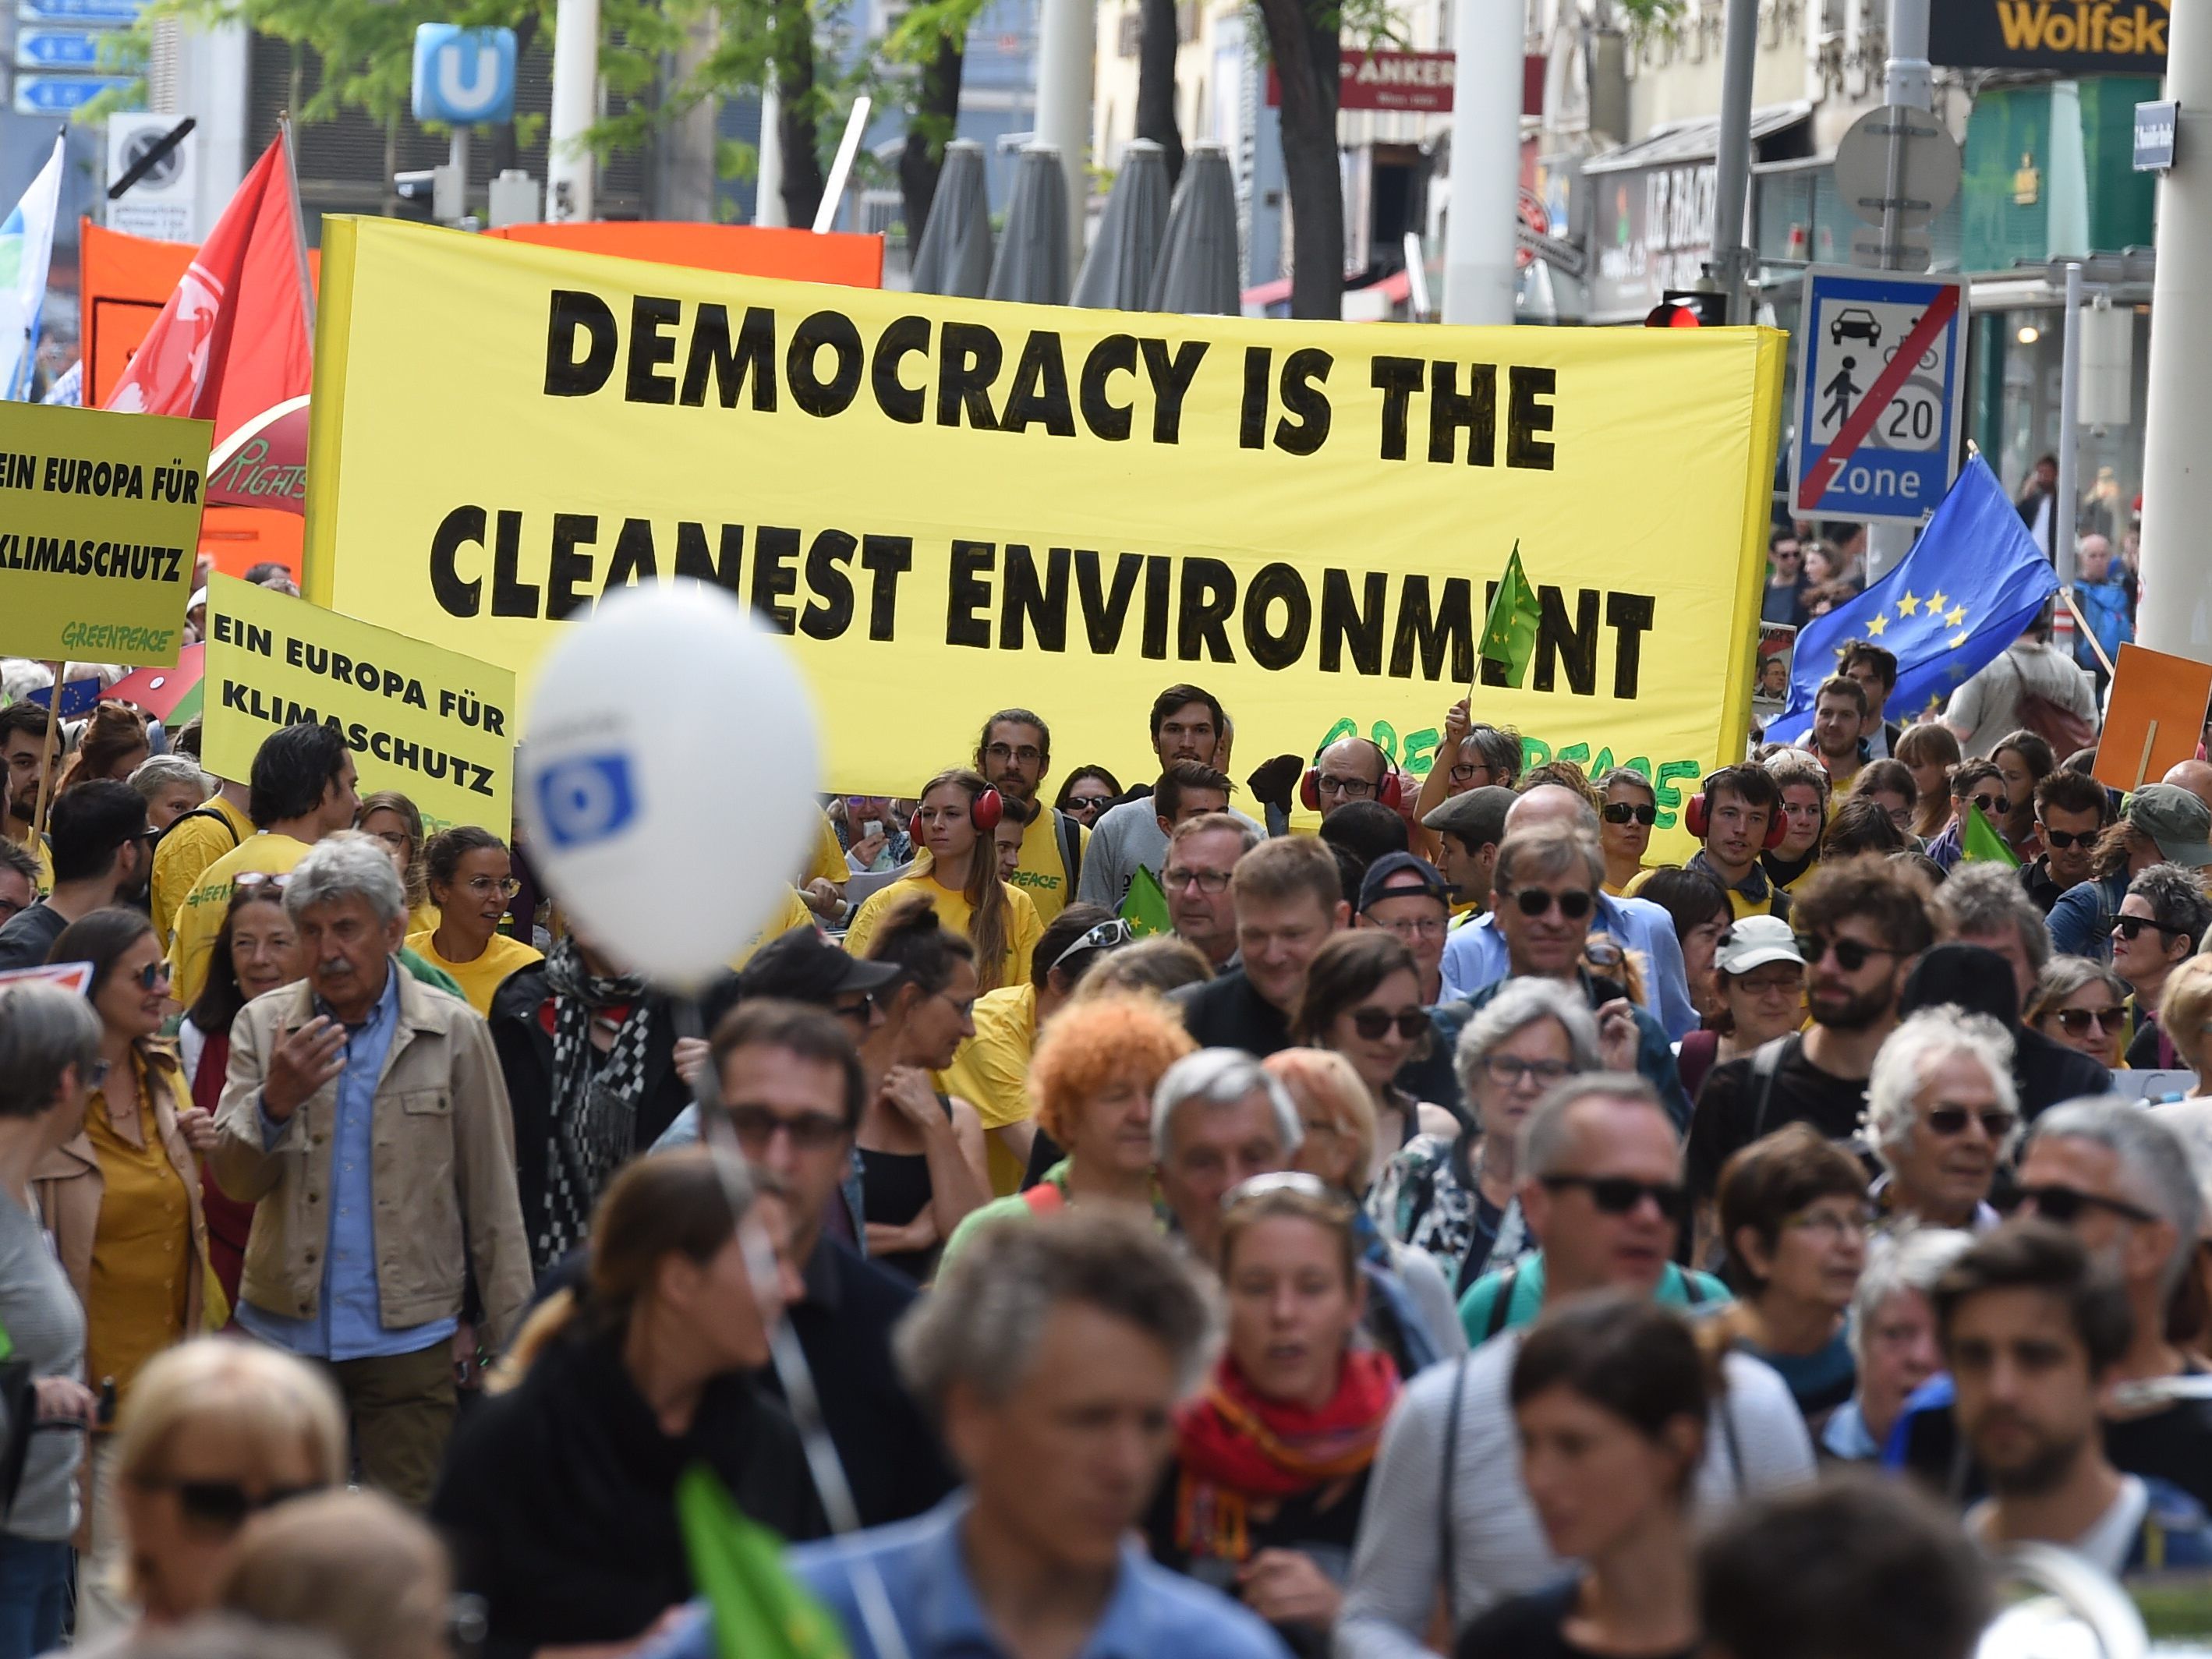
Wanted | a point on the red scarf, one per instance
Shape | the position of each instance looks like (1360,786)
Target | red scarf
(1236,1446)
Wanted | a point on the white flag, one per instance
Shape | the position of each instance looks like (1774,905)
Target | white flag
(27,246)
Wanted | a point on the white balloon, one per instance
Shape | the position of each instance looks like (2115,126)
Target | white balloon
(667,777)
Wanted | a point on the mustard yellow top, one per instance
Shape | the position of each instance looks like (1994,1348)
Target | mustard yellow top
(142,1250)
(479,979)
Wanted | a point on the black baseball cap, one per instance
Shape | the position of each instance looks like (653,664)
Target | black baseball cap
(1396,874)
(802,966)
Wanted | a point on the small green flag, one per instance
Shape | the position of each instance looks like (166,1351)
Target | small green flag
(1144,906)
(759,1610)
(1509,633)
(1982,843)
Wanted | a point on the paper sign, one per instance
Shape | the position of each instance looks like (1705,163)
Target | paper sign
(99,516)
(433,724)
(74,977)
(2147,687)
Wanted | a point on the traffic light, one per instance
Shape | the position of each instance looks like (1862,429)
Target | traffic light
(1688,308)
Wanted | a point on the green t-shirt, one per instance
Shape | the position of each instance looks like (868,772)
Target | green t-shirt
(1677,1289)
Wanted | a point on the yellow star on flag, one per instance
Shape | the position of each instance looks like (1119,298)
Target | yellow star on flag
(1875,624)
(1907,605)
(1957,640)
(1938,602)
(1958,614)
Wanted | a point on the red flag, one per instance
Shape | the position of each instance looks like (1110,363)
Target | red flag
(236,339)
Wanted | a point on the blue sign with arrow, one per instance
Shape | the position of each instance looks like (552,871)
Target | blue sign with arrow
(114,14)
(63,95)
(58,49)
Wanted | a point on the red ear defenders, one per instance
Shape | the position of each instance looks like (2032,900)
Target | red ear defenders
(984,813)
(1388,791)
(1696,816)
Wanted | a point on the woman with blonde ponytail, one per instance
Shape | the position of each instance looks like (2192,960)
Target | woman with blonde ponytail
(558,1493)
(960,873)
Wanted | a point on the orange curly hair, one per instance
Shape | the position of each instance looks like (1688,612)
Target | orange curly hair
(1090,1045)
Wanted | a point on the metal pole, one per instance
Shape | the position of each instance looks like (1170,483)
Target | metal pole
(1063,108)
(2063,507)
(1481,281)
(767,191)
(1908,82)
(576,107)
(456,157)
(1731,265)
(2176,613)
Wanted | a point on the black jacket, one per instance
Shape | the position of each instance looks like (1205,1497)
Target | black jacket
(526,1060)
(891,1454)
(1227,1012)
(558,1498)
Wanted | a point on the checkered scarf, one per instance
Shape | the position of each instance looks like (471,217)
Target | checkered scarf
(595,1096)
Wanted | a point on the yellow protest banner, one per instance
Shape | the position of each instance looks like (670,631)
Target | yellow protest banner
(99,516)
(951,506)
(431,723)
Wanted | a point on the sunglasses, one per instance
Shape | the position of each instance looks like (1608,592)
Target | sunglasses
(223,1505)
(1948,1120)
(1088,802)
(1622,811)
(2075,1022)
(1850,955)
(809,1132)
(1373,1022)
(1620,1195)
(1574,904)
(249,879)
(1282,1181)
(1106,936)
(2130,928)
(2063,1204)
(153,973)
(1507,1072)
(1993,806)
(2065,840)
(860,1007)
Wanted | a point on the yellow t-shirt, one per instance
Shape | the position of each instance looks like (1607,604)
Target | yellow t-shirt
(200,917)
(1022,925)
(184,853)
(142,1249)
(991,1072)
(480,979)
(790,912)
(1042,874)
(423,918)
(829,857)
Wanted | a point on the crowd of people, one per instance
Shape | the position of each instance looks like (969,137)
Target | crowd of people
(1455,1229)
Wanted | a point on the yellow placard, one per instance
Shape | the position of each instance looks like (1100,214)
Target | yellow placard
(433,724)
(100,514)
(952,506)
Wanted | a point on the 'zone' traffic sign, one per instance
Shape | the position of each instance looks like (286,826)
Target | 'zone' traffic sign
(1881,379)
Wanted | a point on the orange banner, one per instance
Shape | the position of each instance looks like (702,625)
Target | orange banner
(793,256)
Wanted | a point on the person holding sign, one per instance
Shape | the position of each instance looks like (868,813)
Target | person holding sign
(22,743)
(472,883)
(958,813)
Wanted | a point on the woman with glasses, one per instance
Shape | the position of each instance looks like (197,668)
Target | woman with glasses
(215,1432)
(1624,826)
(2161,922)
(1941,1115)
(1977,784)
(1472,755)
(396,821)
(1699,907)
(1611,1397)
(953,823)
(1363,1000)
(923,1169)
(2083,1005)
(1889,784)
(558,1493)
(472,882)
(1092,1079)
(1794,1222)
(1087,791)
(1759,979)
(122,1202)
(1263,1498)
(257,950)
(1454,1196)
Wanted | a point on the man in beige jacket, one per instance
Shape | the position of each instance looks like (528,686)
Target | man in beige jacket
(365,1115)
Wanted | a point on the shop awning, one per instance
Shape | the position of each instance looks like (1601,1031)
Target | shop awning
(1696,140)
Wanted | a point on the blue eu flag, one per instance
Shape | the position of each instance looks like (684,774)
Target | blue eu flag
(1972,584)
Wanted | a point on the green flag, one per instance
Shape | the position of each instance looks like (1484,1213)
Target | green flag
(1981,843)
(1144,906)
(1509,634)
(759,1610)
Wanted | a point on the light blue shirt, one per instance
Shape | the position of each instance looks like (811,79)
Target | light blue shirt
(1474,956)
(348,1322)
(1152,1613)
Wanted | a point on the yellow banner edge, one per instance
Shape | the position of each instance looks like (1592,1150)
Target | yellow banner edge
(1773,346)
(326,409)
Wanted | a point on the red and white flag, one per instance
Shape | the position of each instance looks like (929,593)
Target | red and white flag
(235,341)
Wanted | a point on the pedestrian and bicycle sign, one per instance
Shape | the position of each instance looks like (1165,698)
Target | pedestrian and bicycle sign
(1881,379)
